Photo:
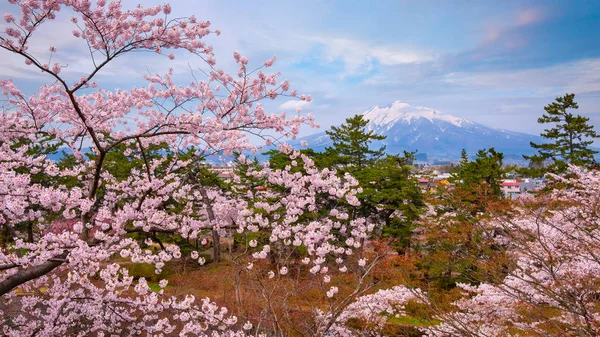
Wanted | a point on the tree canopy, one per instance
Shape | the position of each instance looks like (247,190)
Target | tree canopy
(352,143)
(569,137)
(486,169)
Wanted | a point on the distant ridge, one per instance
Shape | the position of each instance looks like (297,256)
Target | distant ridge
(435,135)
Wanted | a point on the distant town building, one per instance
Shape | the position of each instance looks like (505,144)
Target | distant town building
(511,188)
(224,172)
(532,185)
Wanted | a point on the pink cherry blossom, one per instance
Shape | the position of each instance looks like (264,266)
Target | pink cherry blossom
(554,243)
(79,229)
(270,62)
(9,18)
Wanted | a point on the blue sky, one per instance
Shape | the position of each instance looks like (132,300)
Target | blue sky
(495,62)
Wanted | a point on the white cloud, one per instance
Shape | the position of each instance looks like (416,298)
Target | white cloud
(578,77)
(293,105)
(359,56)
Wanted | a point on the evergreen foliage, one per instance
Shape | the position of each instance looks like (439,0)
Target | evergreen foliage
(570,137)
(351,143)
(485,170)
(389,194)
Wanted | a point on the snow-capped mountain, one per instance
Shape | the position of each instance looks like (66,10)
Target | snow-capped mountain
(400,112)
(435,135)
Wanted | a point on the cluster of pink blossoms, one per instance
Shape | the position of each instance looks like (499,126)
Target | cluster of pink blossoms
(63,238)
(550,289)
(373,311)
(283,211)
(553,282)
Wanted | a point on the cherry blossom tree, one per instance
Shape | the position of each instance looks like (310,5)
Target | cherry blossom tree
(84,212)
(68,269)
(65,224)
(551,287)
(548,285)
(297,225)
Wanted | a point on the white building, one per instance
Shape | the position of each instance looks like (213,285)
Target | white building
(511,188)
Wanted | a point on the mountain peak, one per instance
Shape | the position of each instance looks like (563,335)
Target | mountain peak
(405,113)
(435,135)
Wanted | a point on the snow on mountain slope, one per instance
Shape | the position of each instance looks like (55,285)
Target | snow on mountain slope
(400,112)
(435,134)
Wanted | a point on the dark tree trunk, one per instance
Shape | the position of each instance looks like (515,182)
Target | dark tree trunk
(215,233)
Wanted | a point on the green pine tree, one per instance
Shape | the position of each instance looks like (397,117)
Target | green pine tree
(351,143)
(390,194)
(485,170)
(571,137)
(395,197)
(464,157)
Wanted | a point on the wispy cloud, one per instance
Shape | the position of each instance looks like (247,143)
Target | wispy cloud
(530,16)
(293,105)
(579,77)
(359,56)
(497,28)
